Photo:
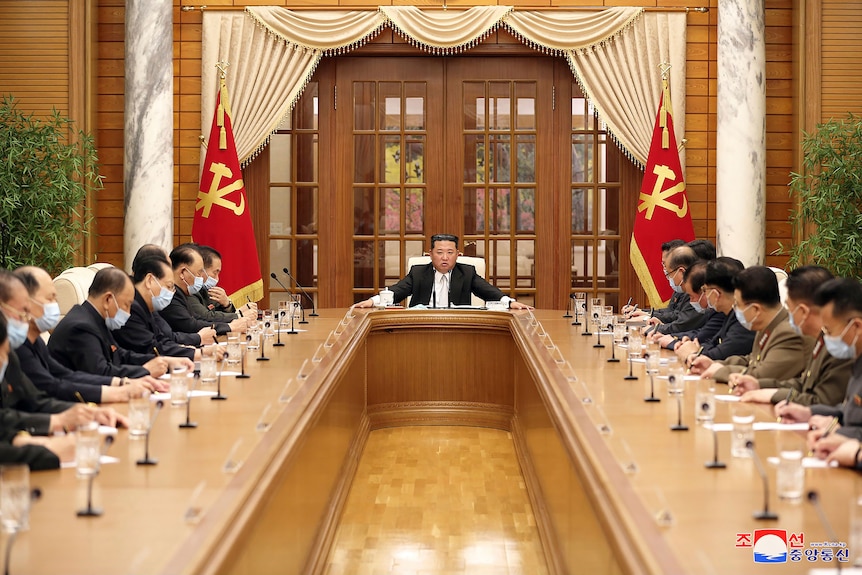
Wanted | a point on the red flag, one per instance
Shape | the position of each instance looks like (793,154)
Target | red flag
(662,213)
(222,219)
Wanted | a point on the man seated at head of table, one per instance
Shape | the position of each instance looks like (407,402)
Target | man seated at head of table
(677,300)
(824,379)
(778,351)
(435,283)
(717,293)
(686,317)
(33,410)
(83,340)
(154,290)
(47,373)
(835,430)
(211,302)
(188,269)
(204,336)
(37,452)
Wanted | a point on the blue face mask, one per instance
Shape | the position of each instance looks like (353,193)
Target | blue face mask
(211,282)
(793,325)
(673,286)
(196,287)
(18,331)
(119,319)
(697,307)
(164,298)
(740,317)
(50,316)
(838,348)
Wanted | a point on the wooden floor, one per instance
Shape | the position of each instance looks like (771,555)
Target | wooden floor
(438,500)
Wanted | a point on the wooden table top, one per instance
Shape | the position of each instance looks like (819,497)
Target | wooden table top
(144,525)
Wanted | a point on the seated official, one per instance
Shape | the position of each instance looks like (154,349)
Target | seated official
(82,340)
(188,269)
(18,446)
(824,379)
(778,352)
(212,303)
(704,249)
(204,336)
(444,281)
(683,317)
(693,284)
(47,373)
(732,338)
(154,290)
(676,300)
(840,302)
(33,410)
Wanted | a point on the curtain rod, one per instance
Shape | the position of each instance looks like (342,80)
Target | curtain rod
(686,9)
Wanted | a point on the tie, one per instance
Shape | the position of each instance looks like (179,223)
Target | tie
(443,300)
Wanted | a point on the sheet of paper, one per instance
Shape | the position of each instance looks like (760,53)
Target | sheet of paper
(166,396)
(103,460)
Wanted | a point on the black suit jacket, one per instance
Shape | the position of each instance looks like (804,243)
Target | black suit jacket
(36,456)
(179,337)
(181,318)
(82,342)
(23,406)
(464,281)
(141,333)
(56,379)
(731,339)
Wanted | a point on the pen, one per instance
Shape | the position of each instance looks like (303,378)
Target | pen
(155,351)
(697,355)
(789,400)
(81,399)
(830,428)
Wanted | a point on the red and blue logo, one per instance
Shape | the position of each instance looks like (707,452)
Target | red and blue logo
(770,546)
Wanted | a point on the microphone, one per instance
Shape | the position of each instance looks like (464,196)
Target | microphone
(147,460)
(91,511)
(765,513)
(715,463)
(814,499)
(302,289)
(218,396)
(569,306)
(262,345)
(188,423)
(278,317)
(292,297)
(35,495)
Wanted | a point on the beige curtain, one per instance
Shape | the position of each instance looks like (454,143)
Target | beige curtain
(621,78)
(273,52)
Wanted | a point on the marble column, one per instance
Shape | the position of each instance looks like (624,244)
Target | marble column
(741,133)
(148,162)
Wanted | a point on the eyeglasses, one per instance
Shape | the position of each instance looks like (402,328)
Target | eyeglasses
(19,315)
(667,274)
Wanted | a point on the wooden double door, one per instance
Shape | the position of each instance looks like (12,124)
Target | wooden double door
(502,151)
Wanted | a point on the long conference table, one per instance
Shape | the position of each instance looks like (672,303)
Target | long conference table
(258,486)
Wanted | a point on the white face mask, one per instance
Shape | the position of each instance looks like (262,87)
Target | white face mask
(50,316)
(837,347)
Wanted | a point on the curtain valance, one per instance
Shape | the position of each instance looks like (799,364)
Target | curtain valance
(613,52)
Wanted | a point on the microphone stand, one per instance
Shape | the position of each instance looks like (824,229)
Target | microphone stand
(35,494)
(598,335)
(91,511)
(302,289)
(679,425)
(262,345)
(147,460)
(218,396)
(765,514)
(613,358)
(569,306)
(631,376)
(280,316)
(242,352)
(188,424)
(814,498)
(715,463)
(577,311)
(292,297)
(651,373)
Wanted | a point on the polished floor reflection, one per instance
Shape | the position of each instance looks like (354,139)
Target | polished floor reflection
(438,500)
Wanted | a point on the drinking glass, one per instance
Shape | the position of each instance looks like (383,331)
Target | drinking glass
(233,349)
(704,400)
(15,497)
(742,416)
(790,476)
(139,412)
(179,386)
(87,449)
